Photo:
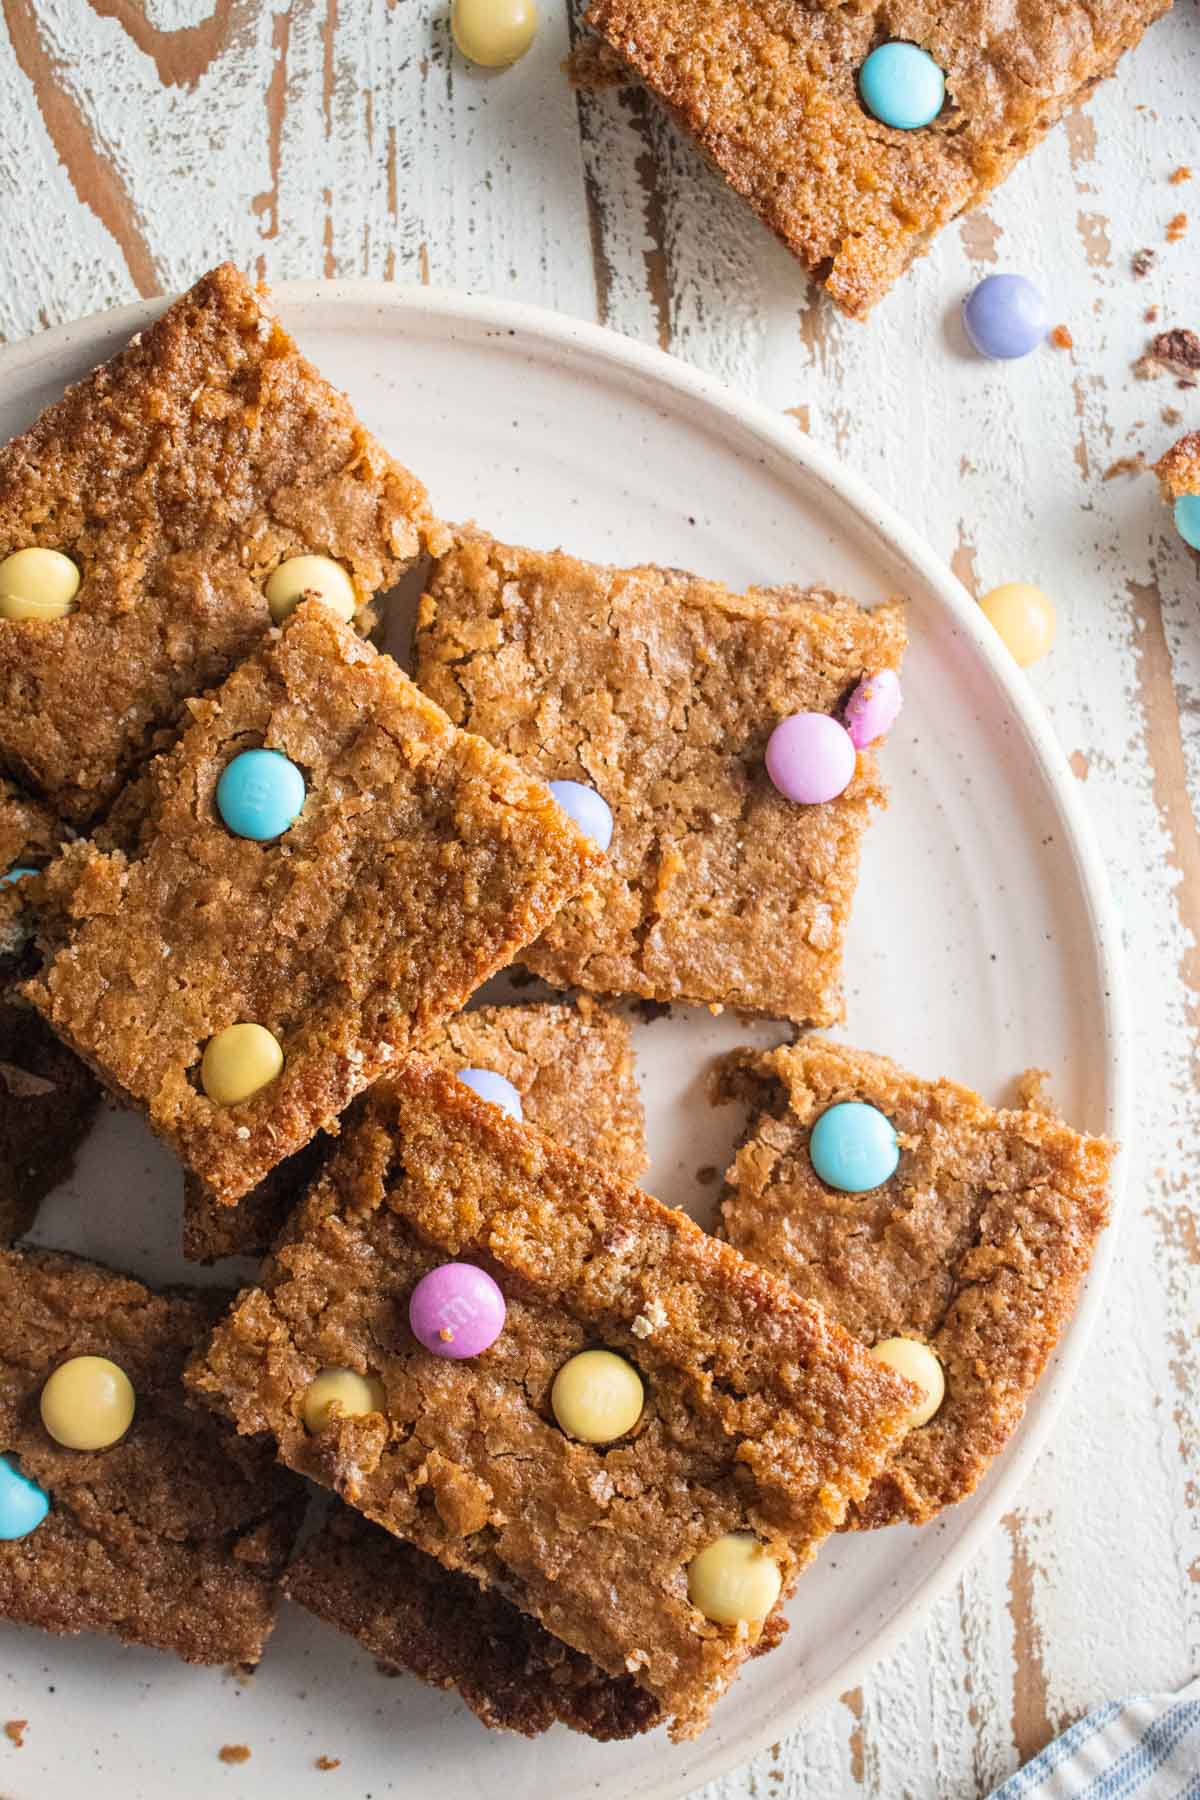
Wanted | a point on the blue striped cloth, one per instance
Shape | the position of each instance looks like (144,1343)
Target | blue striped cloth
(1145,1748)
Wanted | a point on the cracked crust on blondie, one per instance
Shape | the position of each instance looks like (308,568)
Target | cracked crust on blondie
(660,690)
(976,1246)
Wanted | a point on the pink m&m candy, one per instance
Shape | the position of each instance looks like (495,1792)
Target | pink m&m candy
(456,1311)
(873,708)
(810,758)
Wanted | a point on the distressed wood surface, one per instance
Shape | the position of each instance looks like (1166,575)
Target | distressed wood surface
(141,140)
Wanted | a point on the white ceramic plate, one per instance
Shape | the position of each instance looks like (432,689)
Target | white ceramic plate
(982,943)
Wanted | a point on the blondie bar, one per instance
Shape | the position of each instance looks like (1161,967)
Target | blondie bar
(975,1247)
(572,1068)
(420,861)
(660,691)
(759,1417)
(178,478)
(174,1537)
(770,91)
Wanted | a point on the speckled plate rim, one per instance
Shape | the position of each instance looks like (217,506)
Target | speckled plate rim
(574,337)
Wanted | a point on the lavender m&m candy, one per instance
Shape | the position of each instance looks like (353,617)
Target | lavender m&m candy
(590,810)
(490,1086)
(873,708)
(1005,316)
(456,1311)
(810,758)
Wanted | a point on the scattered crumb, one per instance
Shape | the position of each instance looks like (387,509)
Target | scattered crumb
(1150,314)
(707,1175)
(15,1731)
(1142,263)
(234,1753)
(649,1010)
(1175,352)
(1176,227)
(1061,338)
(1183,173)
(329,1762)
(1080,767)
(1125,465)
(1171,415)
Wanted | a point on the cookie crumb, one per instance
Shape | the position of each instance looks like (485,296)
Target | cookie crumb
(1171,415)
(1125,465)
(1174,352)
(15,1731)
(234,1753)
(1176,227)
(1061,338)
(328,1762)
(1182,173)
(1150,314)
(1142,262)
(707,1174)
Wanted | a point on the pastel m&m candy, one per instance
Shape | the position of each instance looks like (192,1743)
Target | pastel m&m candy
(1024,617)
(918,1364)
(810,758)
(873,708)
(597,1396)
(310,578)
(590,810)
(493,33)
(15,875)
(456,1311)
(1187,519)
(239,1062)
(1005,316)
(902,86)
(23,1505)
(853,1147)
(490,1086)
(37,584)
(260,794)
(734,1580)
(88,1403)
(340,1393)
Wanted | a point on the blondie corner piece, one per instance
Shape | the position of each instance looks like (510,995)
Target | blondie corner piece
(173,1538)
(405,1608)
(760,1415)
(572,1067)
(769,90)
(975,1247)
(422,860)
(177,478)
(660,690)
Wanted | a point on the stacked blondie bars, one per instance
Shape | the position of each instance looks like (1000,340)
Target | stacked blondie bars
(580,1450)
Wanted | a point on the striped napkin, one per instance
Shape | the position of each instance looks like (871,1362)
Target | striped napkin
(1146,1747)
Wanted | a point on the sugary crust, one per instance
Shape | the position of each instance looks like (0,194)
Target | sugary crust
(174,1538)
(47,1099)
(768,88)
(1179,469)
(976,1246)
(405,1608)
(661,690)
(423,861)
(759,1409)
(178,476)
(572,1066)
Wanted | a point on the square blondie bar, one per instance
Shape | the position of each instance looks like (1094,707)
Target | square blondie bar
(421,862)
(173,1538)
(177,478)
(760,1415)
(769,90)
(572,1067)
(975,1247)
(660,690)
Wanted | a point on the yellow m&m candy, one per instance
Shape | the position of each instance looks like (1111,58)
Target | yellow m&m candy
(918,1364)
(238,1062)
(341,1392)
(37,584)
(734,1580)
(597,1397)
(310,578)
(1024,617)
(88,1403)
(493,33)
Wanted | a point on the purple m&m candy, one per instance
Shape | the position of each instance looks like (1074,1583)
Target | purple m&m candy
(1005,316)
(810,758)
(873,708)
(590,810)
(490,1086)
(456,1311)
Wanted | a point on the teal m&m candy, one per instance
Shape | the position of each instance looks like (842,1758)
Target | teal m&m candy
(1187,519)
(23,1505)
(901,85)
(15,875)
(260,794)
(853,1147)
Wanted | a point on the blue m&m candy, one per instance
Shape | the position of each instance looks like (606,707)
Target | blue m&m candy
(23,1505)
(15,875)
(853,1147)
(490,1086)
(1005,317)
(1187,519)
(901,85)
(590,811)
(260,794)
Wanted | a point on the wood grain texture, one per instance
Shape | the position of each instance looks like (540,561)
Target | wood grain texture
(141,140)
